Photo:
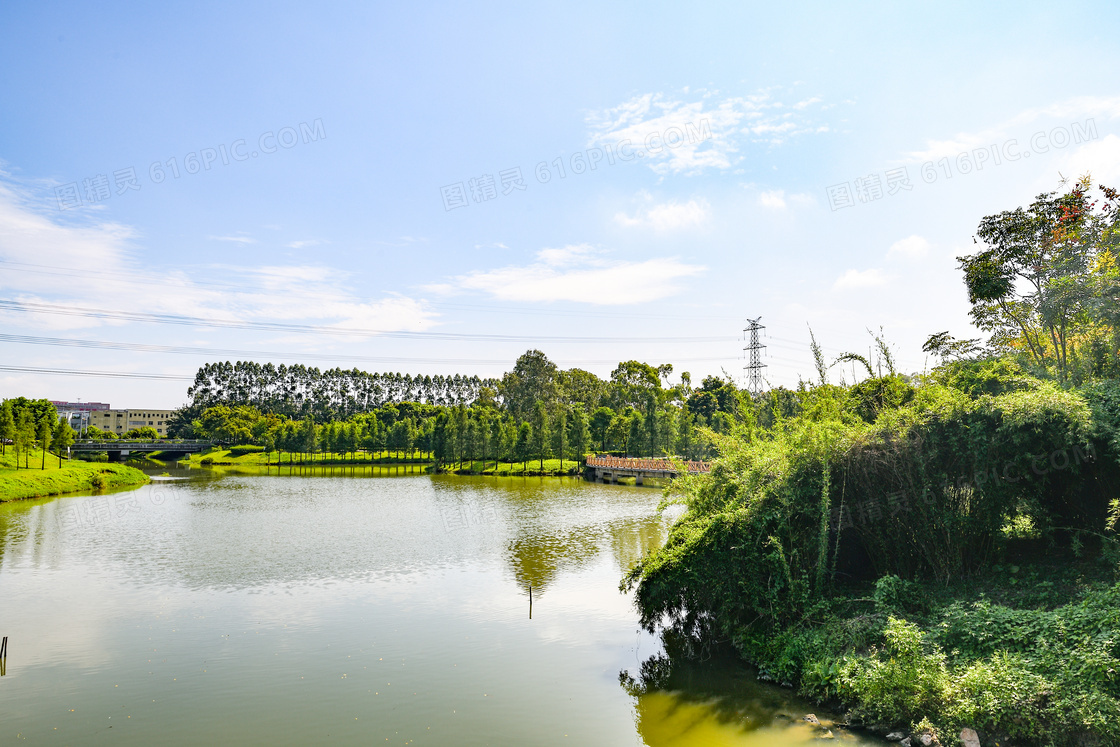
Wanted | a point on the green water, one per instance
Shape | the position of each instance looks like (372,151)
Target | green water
(229,608)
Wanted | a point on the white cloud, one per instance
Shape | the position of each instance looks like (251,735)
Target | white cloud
(239,238)
(668,216)
(857,279)
(912,247)
(774,199)
(1062,113)
(1101,158)
(71,259)
(306,243)
(577,273)
(678,136)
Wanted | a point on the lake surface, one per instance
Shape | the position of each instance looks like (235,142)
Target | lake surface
(228,608)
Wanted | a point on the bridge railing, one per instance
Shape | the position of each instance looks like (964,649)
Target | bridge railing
(167,444)
(645,465)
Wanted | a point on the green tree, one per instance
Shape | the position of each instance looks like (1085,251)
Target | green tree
(541,431)
(578,434)
(25,436)
(618,431)
(666,426)
(560,435)
(63,438)
(581,388)
(44,437)
(144,433)
(600,424)
(7,426)
(309,436)
(507,440)
(636,437)
(1032,284)
(523,445)
(268,441)
(632,383)
(532,380)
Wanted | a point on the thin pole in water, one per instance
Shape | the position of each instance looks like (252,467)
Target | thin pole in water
(4,648)
(530,606)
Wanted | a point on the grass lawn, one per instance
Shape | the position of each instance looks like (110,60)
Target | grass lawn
(73,476)
(232,458)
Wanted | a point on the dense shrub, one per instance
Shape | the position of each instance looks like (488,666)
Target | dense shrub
(244,449)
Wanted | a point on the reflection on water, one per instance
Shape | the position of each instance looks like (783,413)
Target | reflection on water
(219,606)
(710,698)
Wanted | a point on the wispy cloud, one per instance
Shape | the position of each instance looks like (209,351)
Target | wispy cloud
(1064,112)
(305,243)
(78,260)
(707,132)
(577,273)
(668,216)
(239,238)
(912,247)
(860,279)
(774,199)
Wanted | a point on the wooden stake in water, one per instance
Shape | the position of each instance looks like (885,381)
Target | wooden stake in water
(530,606)
(4,648)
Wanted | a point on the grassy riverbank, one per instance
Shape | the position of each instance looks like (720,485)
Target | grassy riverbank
(235,458)
(71,477)
(248,456)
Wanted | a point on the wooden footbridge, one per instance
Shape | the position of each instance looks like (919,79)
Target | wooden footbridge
(609,469)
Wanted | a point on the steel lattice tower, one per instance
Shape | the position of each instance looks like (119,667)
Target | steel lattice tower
(754,357)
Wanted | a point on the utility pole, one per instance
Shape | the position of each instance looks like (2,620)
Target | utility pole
(754,357)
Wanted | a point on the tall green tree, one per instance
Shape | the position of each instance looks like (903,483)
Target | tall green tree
(63,438)
(600,424)
(560,434)
(578,433)
(532,380)
(632,383)
(542,429)
(25,436)
(523,445)
(309,437)
(1032,283)
(44,434)
(7,426)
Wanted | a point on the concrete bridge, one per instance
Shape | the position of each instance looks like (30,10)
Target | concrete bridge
(609,469)
(121,449)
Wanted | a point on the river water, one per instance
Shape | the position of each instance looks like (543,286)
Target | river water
(229,608)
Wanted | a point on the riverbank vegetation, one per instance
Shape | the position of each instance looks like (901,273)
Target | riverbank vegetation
(256,456)
(53,479)
(936,551)
(535,413)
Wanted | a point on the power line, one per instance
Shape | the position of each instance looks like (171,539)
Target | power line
(192,321)
(102,374)
(186,350)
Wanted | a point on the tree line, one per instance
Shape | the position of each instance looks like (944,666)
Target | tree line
(336,394)
(536,411)
(29,423)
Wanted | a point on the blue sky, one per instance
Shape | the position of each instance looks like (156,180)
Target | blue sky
(325,159)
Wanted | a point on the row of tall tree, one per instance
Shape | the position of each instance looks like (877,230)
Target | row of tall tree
(28,424)
(299,391)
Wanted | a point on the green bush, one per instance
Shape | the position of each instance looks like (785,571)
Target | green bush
(244,449)
(902,683)
(892,594)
